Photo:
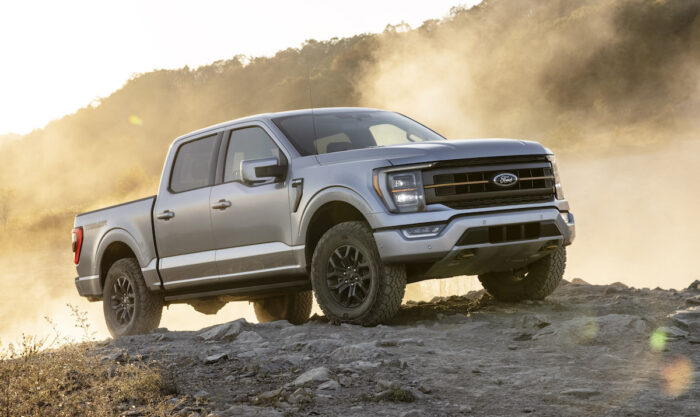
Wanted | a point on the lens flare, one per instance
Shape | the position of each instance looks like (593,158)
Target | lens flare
(677,376)
(135,120)
(657,340)
(588,332)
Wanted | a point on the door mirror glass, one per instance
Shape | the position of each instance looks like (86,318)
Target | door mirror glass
(263,171)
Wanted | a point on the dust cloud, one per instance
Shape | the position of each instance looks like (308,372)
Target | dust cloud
(636,215)
(610,85)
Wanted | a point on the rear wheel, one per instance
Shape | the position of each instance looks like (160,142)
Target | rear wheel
(295,308)
(129,306)
(535,282)
(350,282)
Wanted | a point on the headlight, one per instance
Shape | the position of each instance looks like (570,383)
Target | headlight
(406,190)
(557,179)
(401,188)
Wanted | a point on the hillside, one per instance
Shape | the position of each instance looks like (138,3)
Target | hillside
(574,74)
(586,350)
(609,85)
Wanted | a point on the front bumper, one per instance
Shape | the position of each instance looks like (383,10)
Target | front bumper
(450,253)
(89,287)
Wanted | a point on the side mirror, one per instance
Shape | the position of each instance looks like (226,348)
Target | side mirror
(262,171)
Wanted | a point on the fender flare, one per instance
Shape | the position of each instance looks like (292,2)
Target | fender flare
(113,236)
(330,195)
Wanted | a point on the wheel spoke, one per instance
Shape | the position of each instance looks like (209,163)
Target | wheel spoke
(123,300)
(331,262)
(348,275)
(339,256)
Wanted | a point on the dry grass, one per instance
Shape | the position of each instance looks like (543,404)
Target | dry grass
(42,377)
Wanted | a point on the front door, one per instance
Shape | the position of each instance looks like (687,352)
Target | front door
(183,215)
(252,226)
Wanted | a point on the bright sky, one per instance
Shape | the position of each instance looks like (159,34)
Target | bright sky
(57,56)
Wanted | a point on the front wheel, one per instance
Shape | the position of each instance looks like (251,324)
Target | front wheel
(129,306)
(535,282)
(350,282)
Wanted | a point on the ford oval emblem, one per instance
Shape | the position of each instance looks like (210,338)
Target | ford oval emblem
(505,179)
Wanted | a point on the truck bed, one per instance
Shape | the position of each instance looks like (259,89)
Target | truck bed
(109,229)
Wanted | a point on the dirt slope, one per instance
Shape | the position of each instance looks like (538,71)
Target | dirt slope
(586,350)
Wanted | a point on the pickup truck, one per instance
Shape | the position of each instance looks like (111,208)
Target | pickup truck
(350,203)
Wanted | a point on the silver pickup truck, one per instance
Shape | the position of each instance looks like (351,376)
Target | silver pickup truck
(351,203)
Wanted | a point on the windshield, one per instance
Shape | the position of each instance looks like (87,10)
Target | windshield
(341,131)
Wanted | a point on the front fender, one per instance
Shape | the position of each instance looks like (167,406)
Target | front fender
(329,195)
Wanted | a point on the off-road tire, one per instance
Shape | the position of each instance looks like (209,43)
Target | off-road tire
(148,306)
(387,282)
(295,308)
(542,278)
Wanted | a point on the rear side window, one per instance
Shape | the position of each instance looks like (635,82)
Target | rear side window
(248,144)
(194,163)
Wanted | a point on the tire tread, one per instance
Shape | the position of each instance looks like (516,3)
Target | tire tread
(149,307)
(392,283)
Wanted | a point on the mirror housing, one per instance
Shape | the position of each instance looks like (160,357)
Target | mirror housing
(263,171)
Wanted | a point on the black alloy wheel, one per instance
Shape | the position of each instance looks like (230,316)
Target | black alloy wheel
(349,276)
(122,300)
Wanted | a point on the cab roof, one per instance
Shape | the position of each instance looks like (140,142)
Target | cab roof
(269,116)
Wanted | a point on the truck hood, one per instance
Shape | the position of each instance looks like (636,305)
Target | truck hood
(437,151)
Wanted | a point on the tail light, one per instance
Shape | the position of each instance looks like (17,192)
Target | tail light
(77,243)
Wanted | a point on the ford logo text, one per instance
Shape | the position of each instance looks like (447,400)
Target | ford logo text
(505,179)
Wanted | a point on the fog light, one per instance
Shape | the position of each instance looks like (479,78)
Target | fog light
(423,231)
(567,217)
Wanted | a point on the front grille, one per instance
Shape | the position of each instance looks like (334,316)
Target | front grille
(470,184)
(508,233)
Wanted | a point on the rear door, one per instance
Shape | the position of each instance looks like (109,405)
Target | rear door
(252,229)
(182,215)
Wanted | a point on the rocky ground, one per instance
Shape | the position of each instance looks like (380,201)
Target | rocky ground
(586,350)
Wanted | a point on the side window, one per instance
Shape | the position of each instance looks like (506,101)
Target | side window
(193,165)
(247,144)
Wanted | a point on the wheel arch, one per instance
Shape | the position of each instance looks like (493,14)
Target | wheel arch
(328,208)
(115,245)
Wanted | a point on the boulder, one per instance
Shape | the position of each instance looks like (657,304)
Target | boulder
(595,330)
(214,358)
(330,385)
(315,375)
(226,331)
(249,337)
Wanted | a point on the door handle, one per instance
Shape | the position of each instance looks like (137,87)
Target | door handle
(166,215)
(221,205)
